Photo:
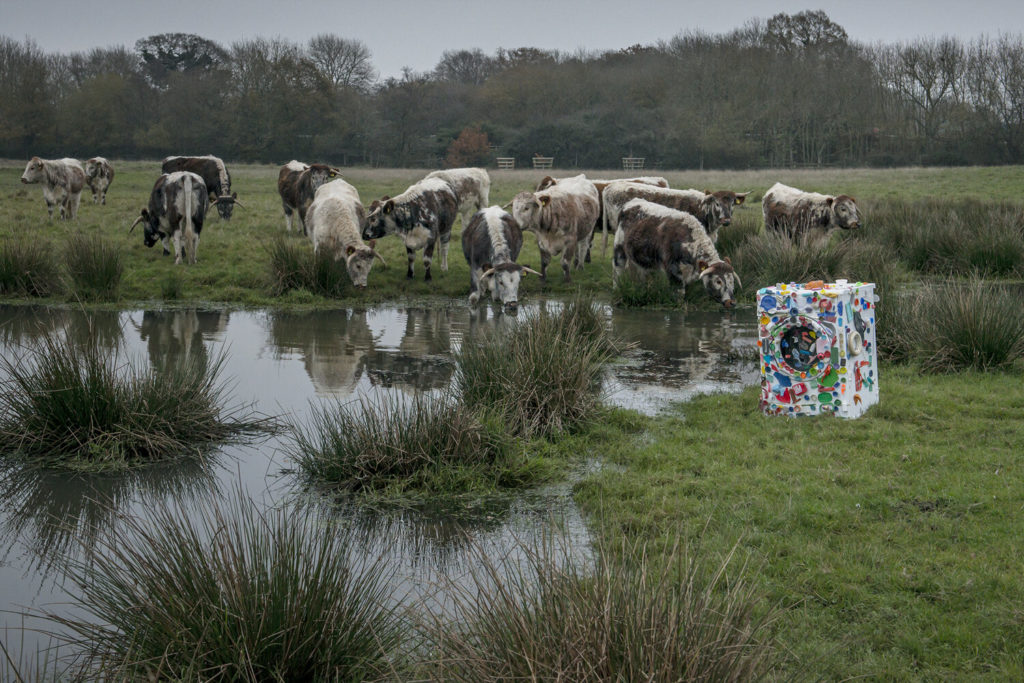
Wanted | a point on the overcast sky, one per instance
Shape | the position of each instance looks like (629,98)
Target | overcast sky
(414,33)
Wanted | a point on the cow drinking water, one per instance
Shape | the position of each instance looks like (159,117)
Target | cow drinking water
(491,243)
(336,218)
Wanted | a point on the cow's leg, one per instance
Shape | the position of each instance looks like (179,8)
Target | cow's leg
(428,258)
(49,209)
(73,203)
(474,286)
(444,255)
(165,242)
(287,217)
(545,259)
(568,255)
(177,247)
(618,259)
(410,254)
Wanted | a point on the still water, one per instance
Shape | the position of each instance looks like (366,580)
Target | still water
(282,363)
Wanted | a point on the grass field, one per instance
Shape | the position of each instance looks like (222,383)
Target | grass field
(233,256)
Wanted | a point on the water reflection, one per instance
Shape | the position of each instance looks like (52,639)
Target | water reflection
(332,344)
(173,335)
(23,326)
(422,360)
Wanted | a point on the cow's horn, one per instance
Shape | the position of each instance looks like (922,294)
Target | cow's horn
(137,221)
(528,269)
(506,206)
(739,284)
(487,274)
(380,257)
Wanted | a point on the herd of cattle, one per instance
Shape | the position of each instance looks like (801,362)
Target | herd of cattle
(655,227)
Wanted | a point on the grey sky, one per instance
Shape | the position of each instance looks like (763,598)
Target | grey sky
(414,33)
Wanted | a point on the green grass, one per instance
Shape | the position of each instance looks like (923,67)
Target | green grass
(632,290)
(28,267)
(94,266)
(892,540)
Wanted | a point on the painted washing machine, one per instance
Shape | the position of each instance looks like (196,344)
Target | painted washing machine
(818,353)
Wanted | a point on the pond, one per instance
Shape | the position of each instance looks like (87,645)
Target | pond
(282,363)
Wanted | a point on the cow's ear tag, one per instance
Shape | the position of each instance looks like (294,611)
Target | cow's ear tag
(545,200)
(388,206)
(351,250)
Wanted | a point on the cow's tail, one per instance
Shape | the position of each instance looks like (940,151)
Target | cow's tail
(604,226)
(190,230)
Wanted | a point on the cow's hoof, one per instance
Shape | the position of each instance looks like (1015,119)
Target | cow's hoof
(428,277)
(408,276)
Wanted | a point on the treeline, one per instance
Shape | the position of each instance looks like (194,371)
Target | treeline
(792,90)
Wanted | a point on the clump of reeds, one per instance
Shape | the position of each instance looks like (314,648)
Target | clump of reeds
(421,444)
(295,266)
(624,620)
(28,267)
(77,406)
(743,227)
(632,290)
(172,285)
(226,592)
(94,266)
(542,374)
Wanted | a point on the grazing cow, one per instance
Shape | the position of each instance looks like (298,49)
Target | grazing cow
(98,175)
(795,212)
(654,237)
(62,179)
(656,181)
(712,209)
(472,188)
(491,243)
(297,184)
(562,217)
(177,208)
(214,174)
(422,216)
(336,218)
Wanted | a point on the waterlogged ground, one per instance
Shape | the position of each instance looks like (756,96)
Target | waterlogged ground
(283,362)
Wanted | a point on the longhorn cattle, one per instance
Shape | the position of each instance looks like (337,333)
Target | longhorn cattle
(336,218)
(795,212)
(177,210)
(472,188)
(297,184)
(62,180)
(654,237)
(491,243)
(712,209)
(98,175)
(562,217)
(655,181)
(215,176)
(422,216)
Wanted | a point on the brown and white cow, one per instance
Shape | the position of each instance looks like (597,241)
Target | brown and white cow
(422,216)
(336,218)
(651,236)
(796,213)
(62,181)
(472,188)
(297,184)
(562,217)
(214,174)
(655,181)
(177,210)
(98,176)
(712,209)
(491,243)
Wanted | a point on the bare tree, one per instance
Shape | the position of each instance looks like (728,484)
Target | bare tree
(997,87)
(469,67)
(344,62)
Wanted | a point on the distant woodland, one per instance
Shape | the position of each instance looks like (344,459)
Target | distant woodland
(789,91)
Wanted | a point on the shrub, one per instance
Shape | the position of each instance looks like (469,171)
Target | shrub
(636,291)
(95,267)
(224,592)
(28,267)
(294,266)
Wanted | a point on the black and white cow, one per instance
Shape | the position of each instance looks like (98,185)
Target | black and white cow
(651,236)
(177,210)
(98,175)
(62,180)
(297,184)
(422,216)
(491,243)
(215,176)
(472,188)
(336,218)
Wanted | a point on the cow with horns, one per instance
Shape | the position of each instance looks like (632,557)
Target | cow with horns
(491,243)
(177,209)
(297,184)
(215,177)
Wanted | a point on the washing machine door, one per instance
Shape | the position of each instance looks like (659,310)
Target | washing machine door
(802,347)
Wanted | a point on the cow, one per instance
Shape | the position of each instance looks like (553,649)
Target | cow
(214,174)
(177,208)
(336,218)
(98,176)
(422,216)
(297,184)
(472,188)
(712,209)
(62,180)
(656,181)
(491,243)
(562,217)
(795,212)
(651,236)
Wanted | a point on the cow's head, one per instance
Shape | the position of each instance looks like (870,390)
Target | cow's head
(727,200)
(502,281)
(320,174)
(225,204)
(720,281)
(359,261)
(526,208)
(844,211)
(151,232)
(380,220)
(33,171)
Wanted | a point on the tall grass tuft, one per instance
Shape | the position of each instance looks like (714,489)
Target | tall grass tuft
(632,290)
(294,266)
(28,267)
(80,408)
(94,266)
(744,226)
(424,445)
(226,592)
(958,326)
(543,373)
(626,620)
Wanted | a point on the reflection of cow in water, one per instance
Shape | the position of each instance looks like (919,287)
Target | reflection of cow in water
(423,361)
(333,346)
(174,335)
